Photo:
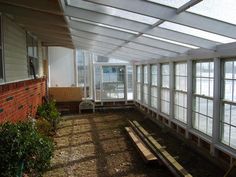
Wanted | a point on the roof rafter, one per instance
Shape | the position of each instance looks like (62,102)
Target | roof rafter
(136,26)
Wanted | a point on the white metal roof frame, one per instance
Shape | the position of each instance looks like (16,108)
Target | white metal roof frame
(118,36)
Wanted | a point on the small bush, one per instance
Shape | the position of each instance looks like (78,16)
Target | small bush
(23,150)
(43,126)
(49,112)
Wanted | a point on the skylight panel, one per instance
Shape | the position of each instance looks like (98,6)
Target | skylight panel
(197,32)
(170,41)
(113,11)
(171,3)
(103,25)
(223,10)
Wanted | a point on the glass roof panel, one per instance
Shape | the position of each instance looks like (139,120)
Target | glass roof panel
(113,11)
(171,3)
(103,25)
(170,41)
(223,10)
(197,32)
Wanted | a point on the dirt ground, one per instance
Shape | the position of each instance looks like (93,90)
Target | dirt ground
(96,145)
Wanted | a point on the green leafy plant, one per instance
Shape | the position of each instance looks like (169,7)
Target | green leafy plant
(23,150)
(43,126)
(49,112)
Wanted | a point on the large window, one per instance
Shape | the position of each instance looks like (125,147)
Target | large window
(138,74)
(228,120)
(203,97)
(180,101)
(154,86)
(145,85)
(165,89)
(32,51)
(1,48)
(113,81)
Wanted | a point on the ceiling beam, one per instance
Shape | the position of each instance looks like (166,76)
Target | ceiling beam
(187,5)
(134,26)
(112,33)
(138,49)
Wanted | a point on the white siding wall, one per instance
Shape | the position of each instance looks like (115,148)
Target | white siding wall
(61,67)
(14,51)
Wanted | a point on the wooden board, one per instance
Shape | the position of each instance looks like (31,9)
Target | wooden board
(66,94)
(145,152)
(161,152)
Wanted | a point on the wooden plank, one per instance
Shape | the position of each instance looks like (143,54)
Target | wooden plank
(145,152)
(168,160)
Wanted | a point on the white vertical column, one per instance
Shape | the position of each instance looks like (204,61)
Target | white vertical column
(135,82)
(149,84)
(126,85)
(158,88)
(189,95)
(172,82)
(141,83)
(216,104)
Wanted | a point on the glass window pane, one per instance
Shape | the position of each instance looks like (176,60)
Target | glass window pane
(172,3)
(196,32)
(113,79)
(233,115)
(165,81)
(209,127)
(228,70)
(211,8)
(196,120)
(225,133)
(228,90)
(210,108)
(202,123)
(226,117)
(233,137)
(234,91)
(203,105)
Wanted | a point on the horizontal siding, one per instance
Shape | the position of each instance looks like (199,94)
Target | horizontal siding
(15,51)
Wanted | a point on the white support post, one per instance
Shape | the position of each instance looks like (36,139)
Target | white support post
(172,82)
(126,85)
(158,88)
(141,83)
(135,82)
(149,84)
(216,104)
(189,96)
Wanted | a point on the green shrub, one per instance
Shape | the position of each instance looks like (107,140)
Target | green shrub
(49,112)
(43,126)
(23,150)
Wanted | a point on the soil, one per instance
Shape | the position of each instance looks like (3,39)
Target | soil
(96,145)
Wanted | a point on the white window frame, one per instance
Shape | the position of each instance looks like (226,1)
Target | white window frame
(179,91)
(154,87)
(207,98)
(165,89)
(231,103)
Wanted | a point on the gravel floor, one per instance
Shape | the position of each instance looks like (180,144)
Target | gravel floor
(96,145)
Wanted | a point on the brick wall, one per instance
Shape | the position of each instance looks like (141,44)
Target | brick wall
(20,99)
